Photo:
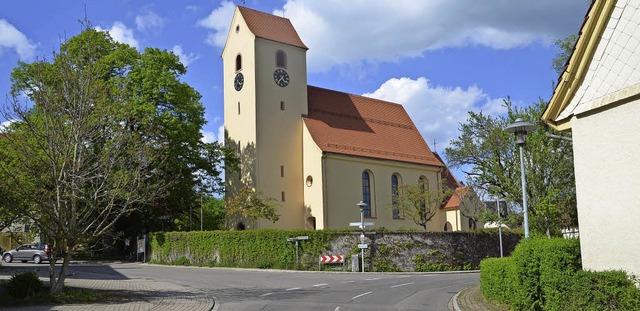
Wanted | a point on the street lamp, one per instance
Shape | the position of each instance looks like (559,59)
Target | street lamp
(362,206)
(520,128)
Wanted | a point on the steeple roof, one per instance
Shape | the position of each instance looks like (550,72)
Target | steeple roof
(271,27)
(361,126)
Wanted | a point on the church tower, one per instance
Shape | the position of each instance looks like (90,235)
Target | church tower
(265,97)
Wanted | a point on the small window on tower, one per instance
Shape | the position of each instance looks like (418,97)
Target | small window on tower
(238,108)
(238,62)
(281,59)
(281,170)
(282,196)
(282,105)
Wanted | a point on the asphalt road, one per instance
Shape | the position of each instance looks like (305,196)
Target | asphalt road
(242,289)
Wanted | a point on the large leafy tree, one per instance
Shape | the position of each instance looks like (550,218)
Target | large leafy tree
(490,159)
(251,204)
(101,131)
(419,203)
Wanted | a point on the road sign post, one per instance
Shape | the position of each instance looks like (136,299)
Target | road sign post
(362,225)
(297,240)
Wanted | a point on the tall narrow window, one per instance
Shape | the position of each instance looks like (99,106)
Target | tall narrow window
(281,170)
(394,196)
(281,59)
(238,62)
(281,105)
(282,196)
(424,187)
(238,108)
(366,193)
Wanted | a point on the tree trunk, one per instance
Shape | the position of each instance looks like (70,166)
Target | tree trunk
(57,285)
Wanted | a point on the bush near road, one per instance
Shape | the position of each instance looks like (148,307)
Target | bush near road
(545,274)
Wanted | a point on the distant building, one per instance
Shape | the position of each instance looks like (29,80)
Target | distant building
(317,151)
(598,99)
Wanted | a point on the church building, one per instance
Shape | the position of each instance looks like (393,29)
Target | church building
(318,152)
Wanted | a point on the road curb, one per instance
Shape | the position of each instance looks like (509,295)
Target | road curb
(454,301)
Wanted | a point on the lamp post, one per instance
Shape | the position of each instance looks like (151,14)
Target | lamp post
(520,128)
(499,224)
(362,206)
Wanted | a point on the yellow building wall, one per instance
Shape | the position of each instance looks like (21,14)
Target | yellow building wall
(314,182)
(239,106)
(453,217)
(343,189)
(269,125)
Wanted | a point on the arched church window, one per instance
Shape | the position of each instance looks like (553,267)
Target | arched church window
(281,59)
(366,193)
(395,181)
(238,62)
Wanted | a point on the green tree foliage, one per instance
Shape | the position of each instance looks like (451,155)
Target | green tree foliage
(251,204)
(419,202)
(102,130)
(490,159)
(210,210)
(564,47)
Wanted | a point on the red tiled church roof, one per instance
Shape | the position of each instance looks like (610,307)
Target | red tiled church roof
(362,126)
(451,182)
(271,27)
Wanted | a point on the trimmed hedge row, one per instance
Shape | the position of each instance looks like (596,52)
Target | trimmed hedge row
(269,248)
(266,248)
(545,274)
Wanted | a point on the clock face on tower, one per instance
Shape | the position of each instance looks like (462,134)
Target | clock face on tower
(238,82)
(281,77)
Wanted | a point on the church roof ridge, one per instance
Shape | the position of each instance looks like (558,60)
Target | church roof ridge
(271,27)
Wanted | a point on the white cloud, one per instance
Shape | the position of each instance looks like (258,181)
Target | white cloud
(120,33)
(185,59)
(12,38)
(209,136)
(436,111)
(149,21)
(358,33)
(221,134)
(218,20)
(5,124)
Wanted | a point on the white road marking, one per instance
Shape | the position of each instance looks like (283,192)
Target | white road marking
(356,297)
(349,282)
(394,286)
(337,309)
(267,294)
(372,279)
(323,284)
(290,289)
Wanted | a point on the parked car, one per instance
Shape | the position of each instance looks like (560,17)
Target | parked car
(28,252)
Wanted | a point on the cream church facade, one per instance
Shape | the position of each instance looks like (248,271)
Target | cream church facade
(317,151)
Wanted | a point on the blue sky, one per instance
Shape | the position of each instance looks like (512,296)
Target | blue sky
(439,58)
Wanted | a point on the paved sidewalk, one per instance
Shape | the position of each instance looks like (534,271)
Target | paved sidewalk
(139,295)
(471,299)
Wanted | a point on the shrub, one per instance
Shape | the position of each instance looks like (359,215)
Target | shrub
(182,261)
(25,284)
(543,268)
(599,291)
(498,279)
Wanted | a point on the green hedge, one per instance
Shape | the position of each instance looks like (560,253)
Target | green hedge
(596,291)
(498,279)
(266,248)
(545,274)
(543,268)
